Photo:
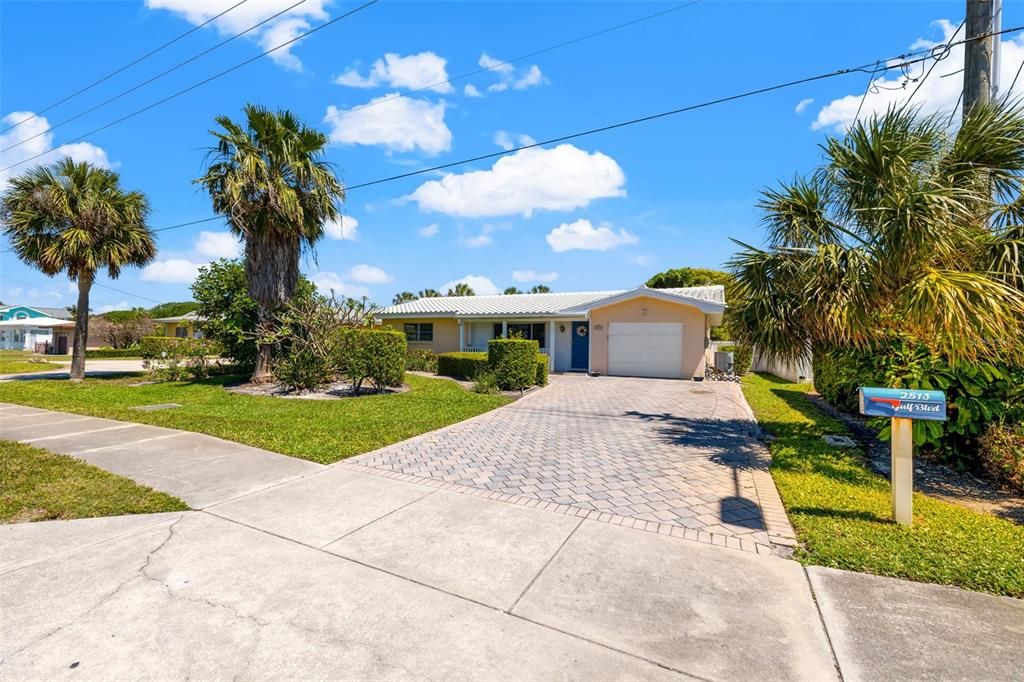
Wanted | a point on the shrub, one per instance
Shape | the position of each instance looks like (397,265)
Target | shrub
(486,382)
(376,356)
(106,353)
(514,361)
(462,365)
(420,360)
(1001,449)
(302,369)
(542,370)
(172,359)
(978,393)
(307,342)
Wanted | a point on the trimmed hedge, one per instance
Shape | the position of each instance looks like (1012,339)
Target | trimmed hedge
(462,365)
(514,362)
(542,370)
(420,360)
(106,353)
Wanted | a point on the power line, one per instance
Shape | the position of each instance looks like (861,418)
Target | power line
(154,78)
(943,52)
(95,284)
(1016,76)
(514,60)
(863,97)
(202,82)
(124,68)
(870,68)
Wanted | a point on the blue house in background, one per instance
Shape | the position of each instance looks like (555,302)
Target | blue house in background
(24,312)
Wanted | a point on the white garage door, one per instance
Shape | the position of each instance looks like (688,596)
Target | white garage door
(645,349)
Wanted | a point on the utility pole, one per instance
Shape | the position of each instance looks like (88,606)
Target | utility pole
(978,54)
(997,49)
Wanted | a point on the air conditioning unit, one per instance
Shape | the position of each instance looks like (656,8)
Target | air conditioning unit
(723,360)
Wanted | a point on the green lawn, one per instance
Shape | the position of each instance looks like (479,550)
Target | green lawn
(23,362)
(38,485)
(319,430)
(841,510)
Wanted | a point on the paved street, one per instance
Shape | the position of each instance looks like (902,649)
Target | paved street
(288,569)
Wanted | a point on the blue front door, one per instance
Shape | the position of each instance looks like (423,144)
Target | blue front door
(581,345)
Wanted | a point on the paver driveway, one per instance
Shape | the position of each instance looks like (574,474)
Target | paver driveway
(671,456)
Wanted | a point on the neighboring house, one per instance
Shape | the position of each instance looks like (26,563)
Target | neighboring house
(36,329)
(639,332)
(25,312)
(181,326)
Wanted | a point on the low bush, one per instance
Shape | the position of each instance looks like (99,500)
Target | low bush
(486,383)
(302,369)
(420,360)
(514,361)
(169,358)
(462,365)
(376,356)
(108,353)
(1002,454)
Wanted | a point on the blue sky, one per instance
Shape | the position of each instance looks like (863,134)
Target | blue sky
(601,212)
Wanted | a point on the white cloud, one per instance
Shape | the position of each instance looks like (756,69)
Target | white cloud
(936,93)
(507,76)
(108,307)
(506,141)
(290,24)
(481,285)
(43,144)
(558,179)
(584,236)
(328,282)
(401,124)
(218,245)
(802,105)
(368,274)
(171,270)
(429,230)
(533,276)
(642,260)
(415,72)
(346,228)
(476,241)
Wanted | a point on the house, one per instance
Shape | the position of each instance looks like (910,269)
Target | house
(637,332)
(180,326)
(36,329)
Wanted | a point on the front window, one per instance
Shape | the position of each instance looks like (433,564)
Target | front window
(419,331)
(181,332)
(535,331)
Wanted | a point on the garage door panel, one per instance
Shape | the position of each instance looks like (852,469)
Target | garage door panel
(645,349)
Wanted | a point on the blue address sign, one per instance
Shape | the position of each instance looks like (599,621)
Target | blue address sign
(905,403)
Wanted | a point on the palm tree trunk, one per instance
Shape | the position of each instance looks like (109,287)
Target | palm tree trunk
(81,327)
(261,374)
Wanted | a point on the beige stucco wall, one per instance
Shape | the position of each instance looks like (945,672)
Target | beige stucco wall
(648,309)
(446,333)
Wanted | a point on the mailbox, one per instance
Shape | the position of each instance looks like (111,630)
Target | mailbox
(903,403)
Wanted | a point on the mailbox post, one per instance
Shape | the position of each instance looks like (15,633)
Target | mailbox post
(903,406)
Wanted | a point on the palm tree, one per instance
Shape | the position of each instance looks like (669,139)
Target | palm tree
(461,289)
(270,181)
(907,229)
(403,296)
(429,293)
(511,290)
(75,218)
(540,289)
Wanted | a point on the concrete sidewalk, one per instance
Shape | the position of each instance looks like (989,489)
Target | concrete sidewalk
(93,368)
(343,572)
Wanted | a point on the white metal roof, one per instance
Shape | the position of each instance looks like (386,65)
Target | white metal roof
(521,305)
(187,317)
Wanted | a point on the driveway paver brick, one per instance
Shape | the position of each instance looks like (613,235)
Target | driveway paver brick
(674,453)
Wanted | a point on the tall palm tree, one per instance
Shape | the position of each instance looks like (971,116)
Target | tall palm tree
(75,218)
(511,290)
(429,293)
(540,289)
(461,289)
(403,296)
(270,181)
(906,229)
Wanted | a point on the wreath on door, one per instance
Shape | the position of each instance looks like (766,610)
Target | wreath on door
(581,330)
